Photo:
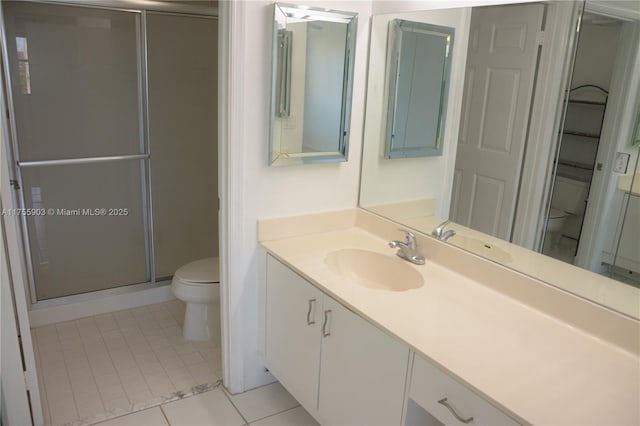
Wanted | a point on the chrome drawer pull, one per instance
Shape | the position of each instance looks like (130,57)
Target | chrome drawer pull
(444,402)
(326,333)
(309,320)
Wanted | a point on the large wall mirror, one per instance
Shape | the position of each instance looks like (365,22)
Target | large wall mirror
(313,52)
(539,170)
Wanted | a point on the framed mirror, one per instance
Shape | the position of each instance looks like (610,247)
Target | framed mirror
(419,64)
(529,173)
(312,78)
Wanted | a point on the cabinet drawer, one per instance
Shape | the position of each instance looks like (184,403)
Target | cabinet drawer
(429,385)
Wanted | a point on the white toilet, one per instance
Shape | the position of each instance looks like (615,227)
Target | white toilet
(568,200)
(198,285)
(555,225)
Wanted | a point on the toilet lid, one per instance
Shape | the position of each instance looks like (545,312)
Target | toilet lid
(556,214)
(201,271)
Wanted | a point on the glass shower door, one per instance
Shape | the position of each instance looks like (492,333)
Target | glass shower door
(78,140)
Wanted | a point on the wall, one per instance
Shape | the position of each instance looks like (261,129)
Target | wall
(387,181)
(182,64)
(274,191)
(622,110)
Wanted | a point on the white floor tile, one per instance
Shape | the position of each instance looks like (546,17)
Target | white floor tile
(295,417)
(150,417)
(120,358)
(263,401)
(63,411)
(210,408)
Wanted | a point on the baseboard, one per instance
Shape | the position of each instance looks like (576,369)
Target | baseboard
(100,305)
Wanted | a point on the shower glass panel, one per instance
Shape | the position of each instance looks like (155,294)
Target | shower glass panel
(81,248)
(182,68)
(76,90)
(75,81)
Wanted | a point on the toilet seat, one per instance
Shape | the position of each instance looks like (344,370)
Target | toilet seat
(198,273)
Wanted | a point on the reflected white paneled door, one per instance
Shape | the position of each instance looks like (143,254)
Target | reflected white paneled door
(501,70)
(76,87)
(182,67)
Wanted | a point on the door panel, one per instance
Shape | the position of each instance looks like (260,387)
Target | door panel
(487,197)
(74,250)
(77,94)
(501,64)
(502,87)
(75,81)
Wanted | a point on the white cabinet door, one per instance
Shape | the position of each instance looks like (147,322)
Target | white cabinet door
(293,312)
(362,372)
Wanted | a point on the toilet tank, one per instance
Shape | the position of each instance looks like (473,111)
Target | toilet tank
(570,195)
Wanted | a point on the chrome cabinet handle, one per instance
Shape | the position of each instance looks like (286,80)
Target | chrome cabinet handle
(444,402)
(309,320)
(326,333)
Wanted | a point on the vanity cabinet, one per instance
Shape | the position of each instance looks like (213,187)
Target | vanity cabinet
(448,400)
(293,311)
(341,368)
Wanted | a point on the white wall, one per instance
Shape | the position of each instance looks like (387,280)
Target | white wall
(388,181)
(622,109)
(276,191)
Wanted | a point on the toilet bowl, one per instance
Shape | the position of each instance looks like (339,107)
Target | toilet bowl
(568,203)
(198,285)
(556,220)
(555,225)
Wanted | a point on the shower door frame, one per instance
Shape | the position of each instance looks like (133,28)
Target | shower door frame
(17,196)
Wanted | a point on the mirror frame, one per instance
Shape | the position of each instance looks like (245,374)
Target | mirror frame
(397,28)
(282,11)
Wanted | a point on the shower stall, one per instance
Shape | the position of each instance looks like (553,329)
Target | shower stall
(113,150)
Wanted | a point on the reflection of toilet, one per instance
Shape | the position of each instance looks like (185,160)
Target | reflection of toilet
(569,199)
(555,225)
(198,285)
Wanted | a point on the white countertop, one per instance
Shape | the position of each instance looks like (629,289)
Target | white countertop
(535,367)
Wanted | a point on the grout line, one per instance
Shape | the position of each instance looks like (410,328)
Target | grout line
(228,394)
(93,374)
(275,414)
(224,392)
(164,414)
(66,369)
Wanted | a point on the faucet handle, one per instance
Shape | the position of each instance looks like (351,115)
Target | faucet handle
(410,238)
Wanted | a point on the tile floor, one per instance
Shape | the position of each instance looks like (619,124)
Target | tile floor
(269,405)
(108,365)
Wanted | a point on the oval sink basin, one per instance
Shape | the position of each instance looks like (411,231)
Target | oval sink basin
(374,270)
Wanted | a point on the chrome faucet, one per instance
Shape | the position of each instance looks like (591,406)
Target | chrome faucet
(408,249)
(440,233)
